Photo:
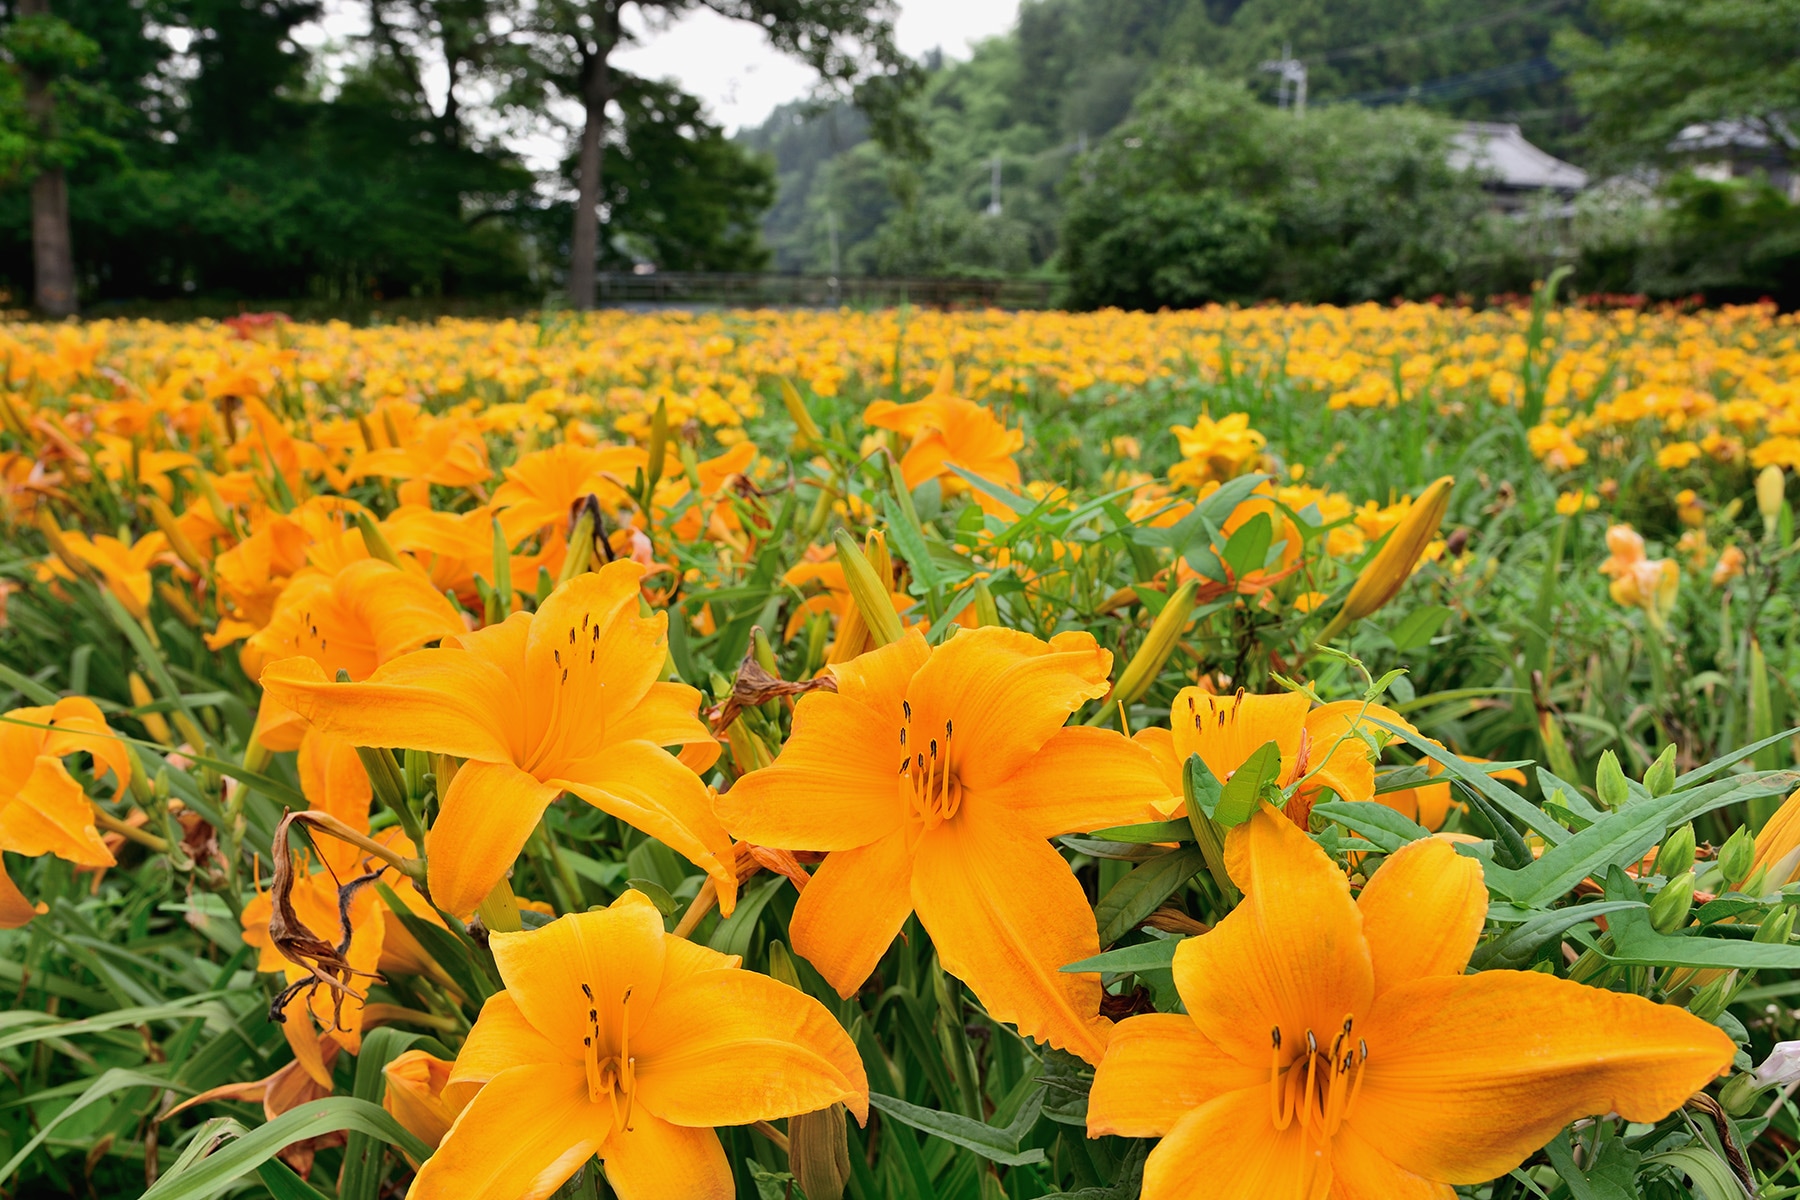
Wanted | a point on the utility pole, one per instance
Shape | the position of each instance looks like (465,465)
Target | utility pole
(1289,70)
(993,208)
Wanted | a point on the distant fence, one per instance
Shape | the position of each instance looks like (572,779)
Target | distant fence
(819,291)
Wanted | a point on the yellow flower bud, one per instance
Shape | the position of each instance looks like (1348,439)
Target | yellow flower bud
(178,540)
(1165,633)
(1771,486)
(868,588)
(152,721)
(1394,562)
(806,429)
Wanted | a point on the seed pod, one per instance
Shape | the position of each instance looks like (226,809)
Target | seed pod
(819,1154)
(1677,853)
(1669,910)
(1609,782)
(1394,562)
(1659,780)
(1736,857)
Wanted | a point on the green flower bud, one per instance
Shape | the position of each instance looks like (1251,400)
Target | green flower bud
(1739,1094)
(1669,910)
(1677,853)
(1776,929)
(1659,780)
(1711,1000)
(1736,856)
(1610,783)
(818,1152)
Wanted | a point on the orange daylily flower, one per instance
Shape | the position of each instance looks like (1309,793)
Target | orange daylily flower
(988,774)
(1778,846)
(447,452)
(1338,1048)
(355,619)
(421,1097)
(123,566)
(617,1039)
(566,700)
(542,486)
(1224,731)
(834,600)
(945,430)
(42,809)
(1430,803)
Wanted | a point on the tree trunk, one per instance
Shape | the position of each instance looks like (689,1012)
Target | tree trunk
(53,254)
(52,251)
(584,244)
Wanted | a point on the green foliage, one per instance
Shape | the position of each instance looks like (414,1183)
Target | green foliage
(1206,194)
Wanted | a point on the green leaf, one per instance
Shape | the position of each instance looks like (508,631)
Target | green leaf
(1611,1176)
(1012,500)
(1128,902)
(20,1027)
(363,1161)
(734,933)
(657,894)
(108,1082)
(204,1177)
(1419,627)
(1156,955)
(1514,949)
(1636,943)
(995,1145)
(1380,824)
(1152,832)
(1242,793)
(909,539)
(1710,1173)
(1248,548)
(283,1184)
(474,976)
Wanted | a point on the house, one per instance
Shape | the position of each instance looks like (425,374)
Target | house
(1722,150)
(1514,171)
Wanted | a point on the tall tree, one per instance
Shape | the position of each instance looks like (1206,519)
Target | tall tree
(569,47)
(48,114)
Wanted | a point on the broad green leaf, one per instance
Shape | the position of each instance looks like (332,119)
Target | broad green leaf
(1248,548)
(1155,955)
(734,933)
(1611,1176)
(1514,949)
(283,1184)
(991,1143)
(1128,902)
(1710,1173)
(1419,627)
(113,1080)
(204,1177)
(1154,831)
(1382,825)
(1242,793)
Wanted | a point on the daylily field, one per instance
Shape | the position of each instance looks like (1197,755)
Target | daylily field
(1265,753)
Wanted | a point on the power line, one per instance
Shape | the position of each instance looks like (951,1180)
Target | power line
(1457,87)
(1411,38)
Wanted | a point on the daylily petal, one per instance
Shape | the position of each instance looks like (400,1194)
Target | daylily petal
(1290,956)
(1007,692)
(668,715)
(1361,1172)
(1522,1054)
(1158,1068)
(878,680)
(612,952)
(1340,759)
(1006,913)
(15,909)
(851,910)
(503,1039)
(834,786)
(732,1047)
(589,658)
(50,814)
(655,1160)
(1422,913)
(1080,779)
(445,701)
(1263,1162)
(80,725)
(1226,730)
(521,1136)
(647,787)
(333,780)
(488,812)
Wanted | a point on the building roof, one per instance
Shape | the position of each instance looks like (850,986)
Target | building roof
(1501,154)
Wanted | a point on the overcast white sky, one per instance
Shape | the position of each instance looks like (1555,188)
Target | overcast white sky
(728,64)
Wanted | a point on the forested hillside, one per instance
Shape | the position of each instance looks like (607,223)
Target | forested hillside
(1040,99)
